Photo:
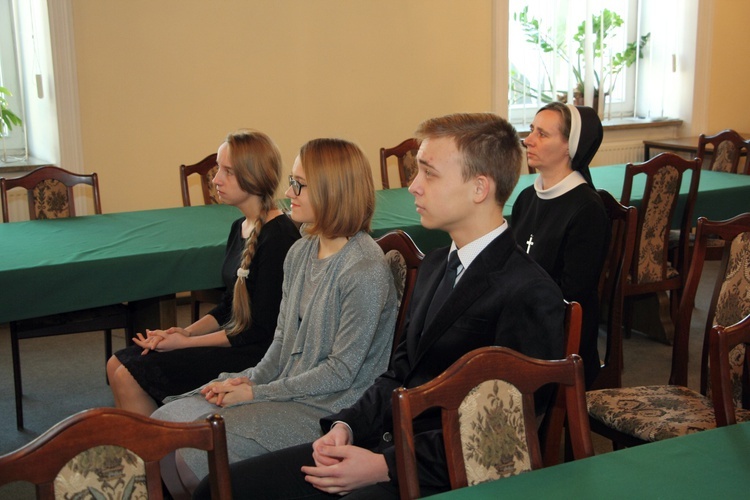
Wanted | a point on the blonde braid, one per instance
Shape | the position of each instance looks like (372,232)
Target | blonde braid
(241,310)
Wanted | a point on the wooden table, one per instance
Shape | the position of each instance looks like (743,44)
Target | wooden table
(678,145)
(708,464)
(60,265)
(54,266)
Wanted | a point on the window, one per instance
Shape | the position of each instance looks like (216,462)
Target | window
(554,54)
(13,140)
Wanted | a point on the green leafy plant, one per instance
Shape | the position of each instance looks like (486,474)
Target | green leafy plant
(8,117)
(604,28)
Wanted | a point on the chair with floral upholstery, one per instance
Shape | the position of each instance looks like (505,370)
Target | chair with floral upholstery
(729,354)
(112,453)
(406,154)
(728,147)
(51,196)
(636,415)
(50,192)
(486,399)
(205,170)
(651,271)
(404,258)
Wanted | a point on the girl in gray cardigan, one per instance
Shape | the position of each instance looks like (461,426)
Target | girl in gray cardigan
(335,325)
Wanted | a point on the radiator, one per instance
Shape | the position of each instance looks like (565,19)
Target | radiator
(612,153)
(618,152)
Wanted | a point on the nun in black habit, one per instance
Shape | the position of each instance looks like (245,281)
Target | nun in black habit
(560,220)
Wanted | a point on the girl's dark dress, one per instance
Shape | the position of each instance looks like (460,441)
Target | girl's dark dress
(163,374)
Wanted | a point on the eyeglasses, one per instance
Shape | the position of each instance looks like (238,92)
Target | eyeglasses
(296,185)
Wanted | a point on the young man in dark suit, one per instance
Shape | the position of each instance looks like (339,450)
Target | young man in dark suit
(468,167)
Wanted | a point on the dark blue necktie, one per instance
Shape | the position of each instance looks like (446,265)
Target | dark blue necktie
(444,287)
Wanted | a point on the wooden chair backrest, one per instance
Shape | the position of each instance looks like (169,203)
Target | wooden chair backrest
(730,299)
(611,285)
(656,211)
(728,147)
(399,241)
(449,390)
(50,192)
(406,153)
(206,169)
(41,460)
(730,387)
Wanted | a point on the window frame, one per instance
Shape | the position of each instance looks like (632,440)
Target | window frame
(522,114)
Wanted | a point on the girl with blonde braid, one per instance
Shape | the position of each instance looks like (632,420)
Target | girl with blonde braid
(336,321)
(238,331)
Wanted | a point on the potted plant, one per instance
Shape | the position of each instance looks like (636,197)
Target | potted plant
(7,117)
(604,27)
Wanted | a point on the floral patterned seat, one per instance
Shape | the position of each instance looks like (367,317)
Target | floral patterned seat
(488,416)
(636,415)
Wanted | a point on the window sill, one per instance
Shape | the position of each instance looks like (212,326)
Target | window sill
(623,124)
(21,166)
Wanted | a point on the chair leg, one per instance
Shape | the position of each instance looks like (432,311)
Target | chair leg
(627,318)
(195,309)
(17,377)
(107,351)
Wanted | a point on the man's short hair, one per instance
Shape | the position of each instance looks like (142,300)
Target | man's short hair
(488,144)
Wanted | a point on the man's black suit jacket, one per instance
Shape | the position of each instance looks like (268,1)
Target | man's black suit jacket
(503,298)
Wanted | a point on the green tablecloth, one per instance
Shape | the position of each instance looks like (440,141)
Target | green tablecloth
(720,196)
(708,464)
(53,266)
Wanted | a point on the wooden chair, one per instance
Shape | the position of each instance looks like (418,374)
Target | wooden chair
(50,196)
(112,453)
(635,415)
(729,353)
(611,287)
(406,154)
(651,271)
(486,399)
(404,259)
(553,424)
(728,147)
(50,192)
(206,170)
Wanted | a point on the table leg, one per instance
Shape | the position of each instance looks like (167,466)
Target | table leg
(651,316)
(156,312)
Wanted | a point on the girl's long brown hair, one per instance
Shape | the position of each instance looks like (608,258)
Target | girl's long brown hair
(257,165)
